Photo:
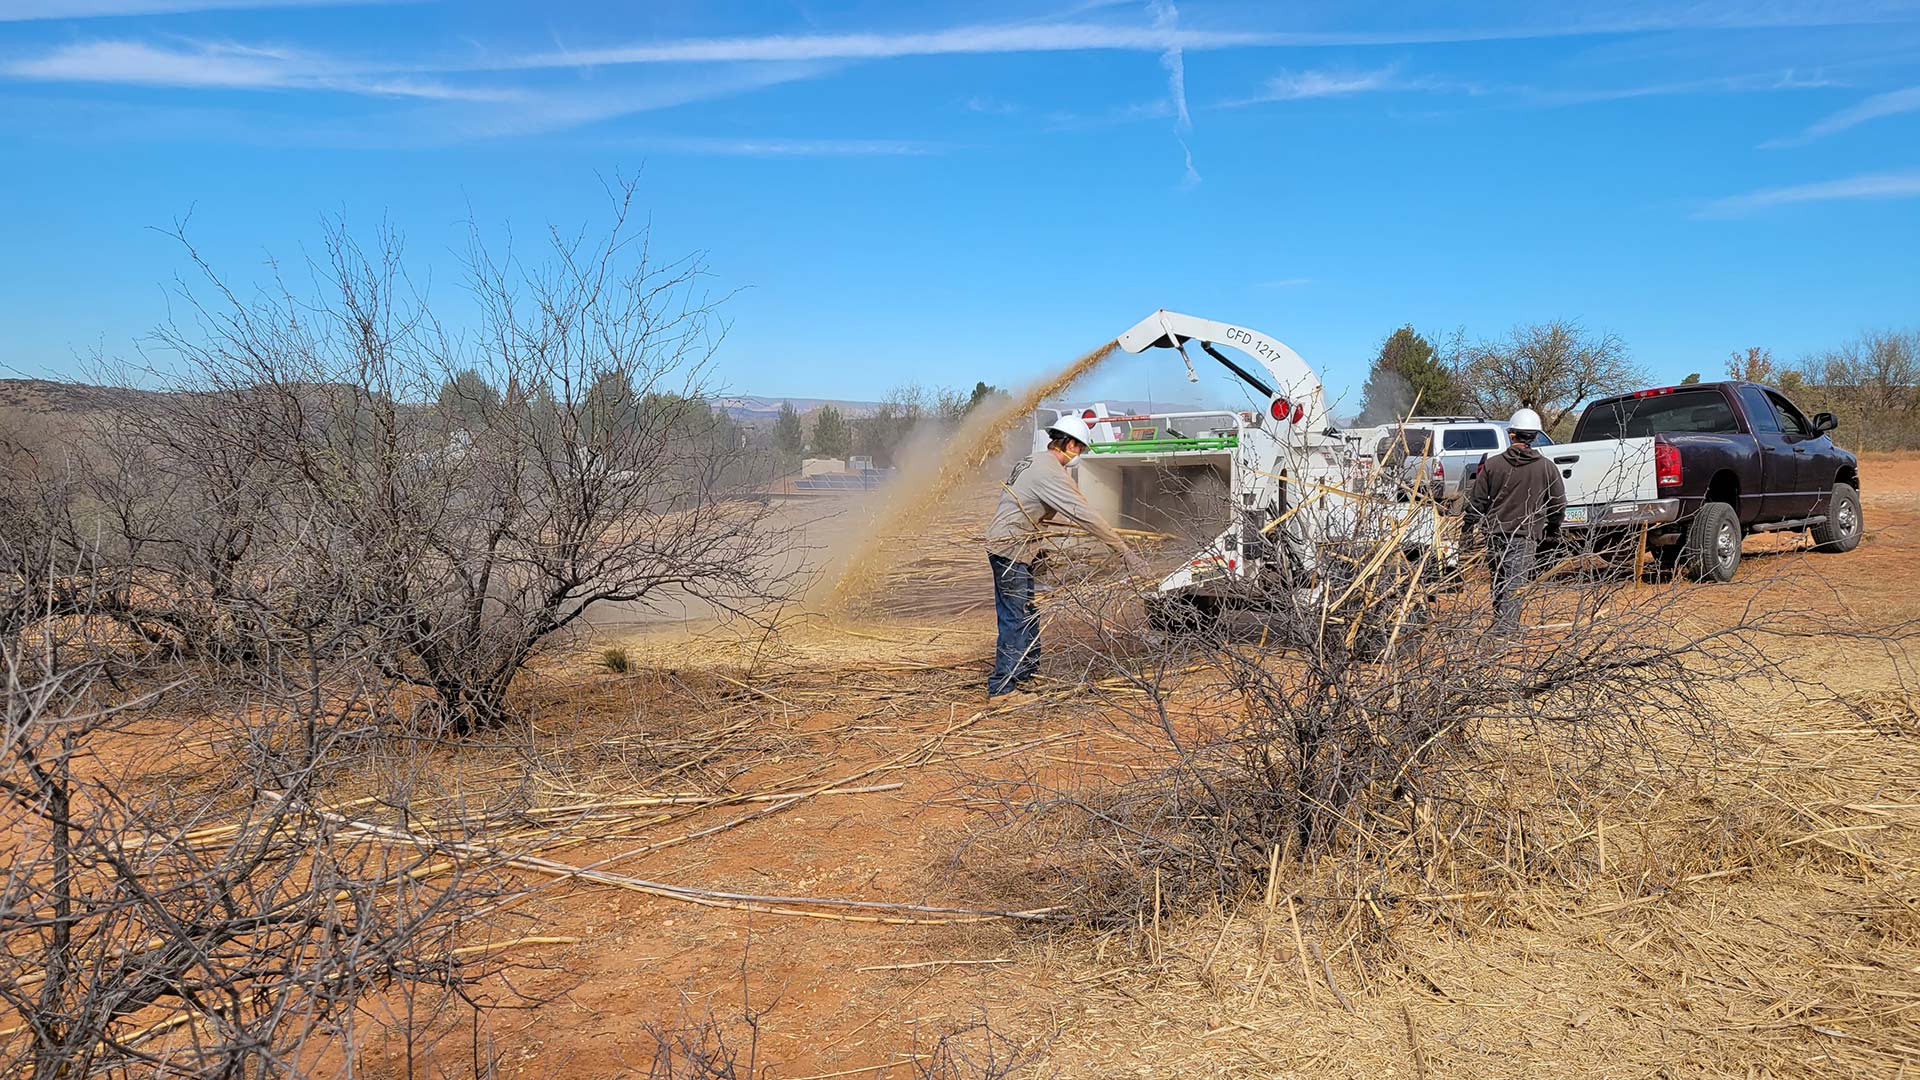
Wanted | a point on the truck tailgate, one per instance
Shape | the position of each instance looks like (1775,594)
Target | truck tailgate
(1603,473)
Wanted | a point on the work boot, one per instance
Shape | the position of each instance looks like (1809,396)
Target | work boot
(1013,699)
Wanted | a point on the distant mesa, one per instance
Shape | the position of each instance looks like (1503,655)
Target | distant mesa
(753,407)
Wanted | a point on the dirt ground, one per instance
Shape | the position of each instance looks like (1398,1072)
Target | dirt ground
(1799,955)
(839,760)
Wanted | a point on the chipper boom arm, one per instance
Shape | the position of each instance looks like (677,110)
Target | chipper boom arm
(1281,375)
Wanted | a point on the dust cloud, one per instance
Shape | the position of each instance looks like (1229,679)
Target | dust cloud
(932,475)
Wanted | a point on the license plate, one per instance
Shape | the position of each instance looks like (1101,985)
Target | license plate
(1576,515)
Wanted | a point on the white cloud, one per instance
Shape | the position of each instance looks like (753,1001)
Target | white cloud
(1166,19)
(24,10)
(1892,103)
(1088,36)
(1303,85)
(783,147)
(1895,185)
(992,106)
(225,66)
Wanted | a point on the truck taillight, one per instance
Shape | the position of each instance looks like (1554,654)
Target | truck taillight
(1088,415)
(1281,406)
(1439,470)
(1666,463)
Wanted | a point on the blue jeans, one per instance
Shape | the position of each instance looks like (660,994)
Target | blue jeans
(1016,654)
(1511,558)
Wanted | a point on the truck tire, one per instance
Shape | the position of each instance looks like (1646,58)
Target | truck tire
(1841,531)
(1713,543)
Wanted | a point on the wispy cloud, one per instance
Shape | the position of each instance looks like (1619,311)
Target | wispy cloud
(1305,85)
(990,105)
(227,66)
(1166,19)
(1312,84)
(1892,103)
(791,148)
(1890,185)
(1073,36)
(1727,84)
(25,10)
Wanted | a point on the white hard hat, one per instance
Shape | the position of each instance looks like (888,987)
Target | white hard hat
(1073,428)
(1524,420)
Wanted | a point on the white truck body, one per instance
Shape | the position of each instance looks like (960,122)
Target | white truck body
(1269,489)
(1610,482)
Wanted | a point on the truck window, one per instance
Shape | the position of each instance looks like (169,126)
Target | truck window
(1638,418)
(1759,410)
(1791,421)
(1477,438)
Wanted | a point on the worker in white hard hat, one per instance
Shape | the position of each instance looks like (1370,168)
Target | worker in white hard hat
(1517,501)
(1040,489)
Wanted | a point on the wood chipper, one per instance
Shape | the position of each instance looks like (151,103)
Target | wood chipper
(1285,498)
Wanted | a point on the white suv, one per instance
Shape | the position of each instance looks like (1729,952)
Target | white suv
(1440,454)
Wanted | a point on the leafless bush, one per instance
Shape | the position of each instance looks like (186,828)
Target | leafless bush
(203,909)
(1371,713)
(335,465)
(707,1047)
(1872,383)
(975,1051)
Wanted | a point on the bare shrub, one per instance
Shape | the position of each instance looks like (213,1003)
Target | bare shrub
(1872,383)
(1367,720)
(335,465)
(200,910)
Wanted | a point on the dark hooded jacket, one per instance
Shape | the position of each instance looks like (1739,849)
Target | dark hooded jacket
(1518,493)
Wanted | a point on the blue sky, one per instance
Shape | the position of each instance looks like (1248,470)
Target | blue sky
(945,192)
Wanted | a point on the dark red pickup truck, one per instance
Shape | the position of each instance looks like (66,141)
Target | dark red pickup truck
(1702,466)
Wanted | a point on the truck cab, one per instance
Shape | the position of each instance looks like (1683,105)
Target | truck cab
(1703,465)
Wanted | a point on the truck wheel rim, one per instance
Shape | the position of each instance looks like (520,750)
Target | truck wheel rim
(1849,521)
(1723,544)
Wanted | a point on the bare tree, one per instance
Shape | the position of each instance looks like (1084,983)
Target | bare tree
(1872,383)
(223,923)
(445,502)
(1549,367)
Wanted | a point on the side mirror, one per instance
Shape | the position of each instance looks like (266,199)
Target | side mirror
(1825,421)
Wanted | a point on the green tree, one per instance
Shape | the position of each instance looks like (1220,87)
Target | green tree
(1407,374)
(468,395)
(1693,378)
(831,435)
(788,436)
(982,392)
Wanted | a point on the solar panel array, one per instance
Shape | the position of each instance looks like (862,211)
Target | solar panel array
(864,480)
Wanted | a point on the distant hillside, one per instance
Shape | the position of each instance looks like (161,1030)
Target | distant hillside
(46,397)
(753,407)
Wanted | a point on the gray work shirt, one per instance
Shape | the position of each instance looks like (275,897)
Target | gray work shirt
(1039,488)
